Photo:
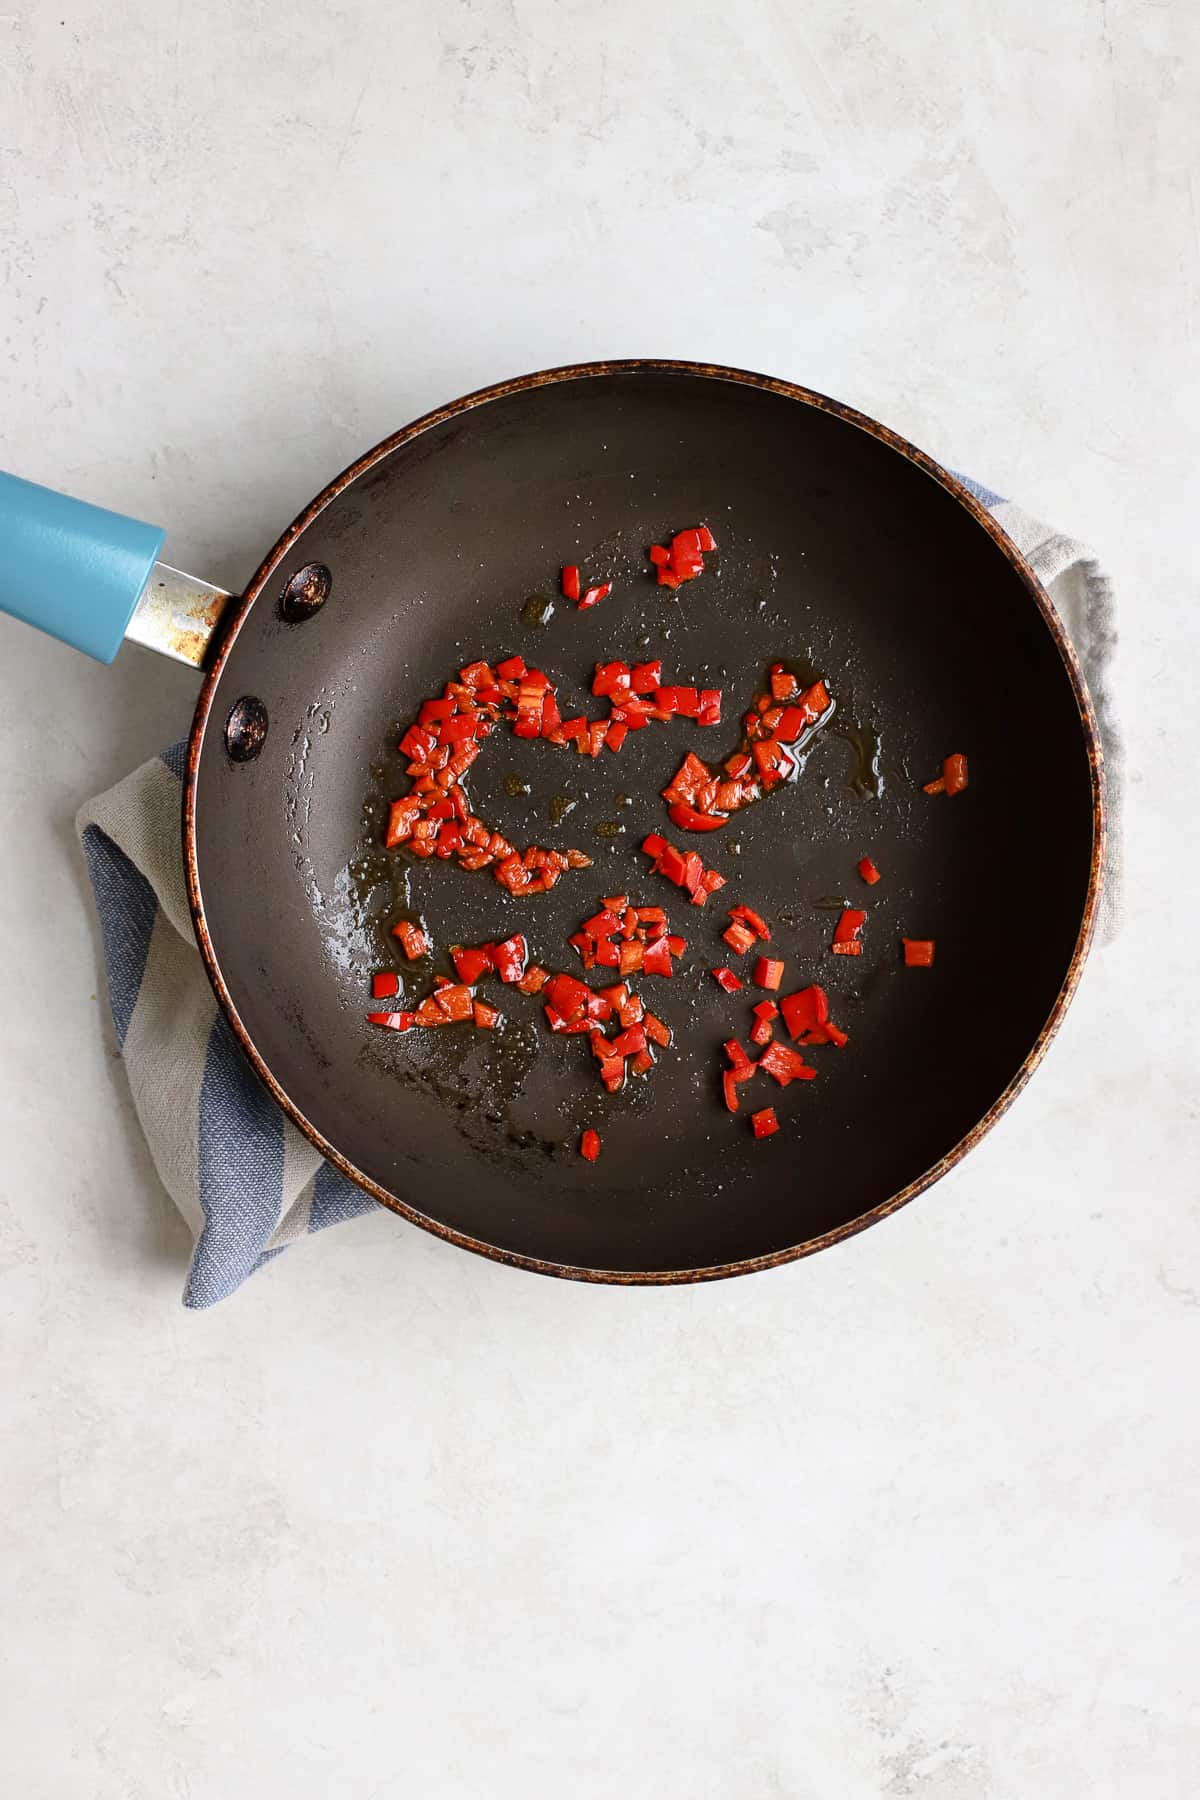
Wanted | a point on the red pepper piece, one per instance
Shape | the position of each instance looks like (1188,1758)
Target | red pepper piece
(954,773)
(705,539)
(768,973)
(510,958)
(673,865)
(653,845)
(783,683)
(765,1009)
(675,944)
(655,958)
(651,915)
(570,581)
(935,787)
(512,668)
(589,1145)
(833,1035)
(455,1001)
(709,711)
(688,819)
(595,595)
(918,952)
(805,1011)
(760,1031)
(847,929)
(602,924)
(743,1065)
(868,871)
(533,980)
(850,947)
(393,1021)
(738,937)
(774,763)
(645,677)
(725,978)
(631,958)
(486,1017)
(785,1065)
(693,872)
(384,984)
(616,734)
(470,963)
(413,940)
(729,1085)
(816,700)
(757,924)
(660,556)
(628,1043)
(764,1122)
(656,1031)
(402,816)
(712,881)
(433,712)
(668,579)
(643,1062)
(567,996)
(610,678)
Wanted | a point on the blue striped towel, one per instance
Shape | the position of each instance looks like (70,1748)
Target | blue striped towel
(241,1174)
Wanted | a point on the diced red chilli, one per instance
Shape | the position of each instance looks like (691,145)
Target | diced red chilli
(764,1122)
(384,984)
(785,1064)
(768,973)
(868,871)
(510,958)
(846,931)
(470,962)
(918,952)
(954,773)
(725,978)
(654,959)
(413,940)
(589,1145)
(755,921)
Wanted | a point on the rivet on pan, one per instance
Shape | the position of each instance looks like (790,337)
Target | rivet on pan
(246,729)
(306,592)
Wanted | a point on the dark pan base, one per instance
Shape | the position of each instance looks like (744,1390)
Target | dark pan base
(841,551)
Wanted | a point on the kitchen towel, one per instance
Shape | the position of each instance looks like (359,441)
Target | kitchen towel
(244,1178)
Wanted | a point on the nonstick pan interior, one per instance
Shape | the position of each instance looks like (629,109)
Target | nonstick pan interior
(840,553)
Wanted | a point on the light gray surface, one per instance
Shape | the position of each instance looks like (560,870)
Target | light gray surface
(914,1518)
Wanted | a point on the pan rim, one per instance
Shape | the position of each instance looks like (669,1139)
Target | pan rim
(241,609)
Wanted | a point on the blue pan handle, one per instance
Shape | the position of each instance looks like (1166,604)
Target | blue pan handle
(72,569)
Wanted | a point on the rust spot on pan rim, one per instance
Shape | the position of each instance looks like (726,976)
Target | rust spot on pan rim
(240,610)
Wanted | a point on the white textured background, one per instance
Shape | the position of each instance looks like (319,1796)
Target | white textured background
(918,1517)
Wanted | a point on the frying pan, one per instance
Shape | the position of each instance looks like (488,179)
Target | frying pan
(843,551)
